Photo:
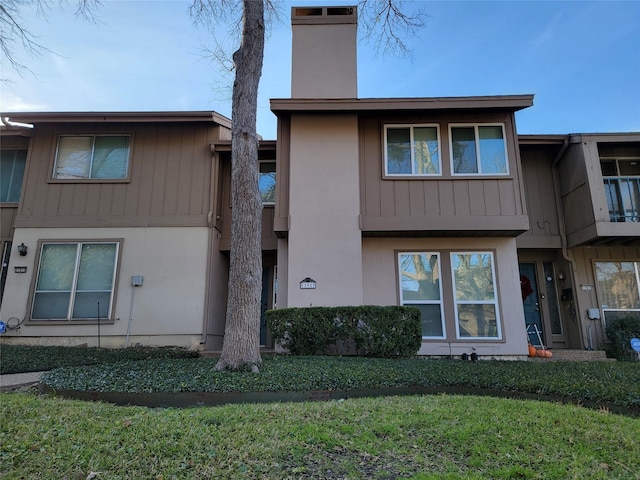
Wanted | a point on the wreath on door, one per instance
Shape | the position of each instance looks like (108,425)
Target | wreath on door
(525,286)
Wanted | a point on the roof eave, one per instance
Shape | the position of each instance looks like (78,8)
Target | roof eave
(351,105)
(117,117)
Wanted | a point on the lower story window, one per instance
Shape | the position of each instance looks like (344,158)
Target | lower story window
(75,281)
(618,286)
(420,287)
(474,290)
(469,294)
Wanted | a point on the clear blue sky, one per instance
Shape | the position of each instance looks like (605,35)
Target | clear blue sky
(580,59)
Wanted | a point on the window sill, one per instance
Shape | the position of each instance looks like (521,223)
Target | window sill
(40,323)
(89,180)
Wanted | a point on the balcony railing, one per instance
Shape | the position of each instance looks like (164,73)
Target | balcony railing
(623,198)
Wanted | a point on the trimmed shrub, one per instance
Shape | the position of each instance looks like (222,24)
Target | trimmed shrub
(620,331)
(373,331)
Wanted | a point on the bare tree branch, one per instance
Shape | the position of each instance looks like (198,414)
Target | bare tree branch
(388,24)
(86,9)
(13,33)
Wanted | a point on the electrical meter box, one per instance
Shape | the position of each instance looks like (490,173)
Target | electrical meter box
(136,281)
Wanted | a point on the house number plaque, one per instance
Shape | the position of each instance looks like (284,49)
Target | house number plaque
(308,284)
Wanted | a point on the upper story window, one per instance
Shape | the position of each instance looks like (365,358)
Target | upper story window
(82,157)
(621,178)
(267,182)
(478,150)
(12,164)
(412,150)
(75,281)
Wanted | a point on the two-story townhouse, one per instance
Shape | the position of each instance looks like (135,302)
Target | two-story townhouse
(413,201)
(114,238)
(580,258)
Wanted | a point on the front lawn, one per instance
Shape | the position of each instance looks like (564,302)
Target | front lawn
(415,437)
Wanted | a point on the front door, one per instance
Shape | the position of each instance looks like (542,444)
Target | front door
(531,303)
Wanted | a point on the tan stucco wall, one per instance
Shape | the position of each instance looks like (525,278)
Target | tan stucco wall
(324,63)
(324,240)
(168,308)
(379,271)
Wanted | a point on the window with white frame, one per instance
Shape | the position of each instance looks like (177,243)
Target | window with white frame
(478,150)
(474,291)
(420,287)
(618,287)
(12,164)
(83,157)
(267,182)
(412,150)
(75,281)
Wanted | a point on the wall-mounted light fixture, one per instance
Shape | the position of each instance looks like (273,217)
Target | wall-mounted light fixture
(561,275)
(22,250)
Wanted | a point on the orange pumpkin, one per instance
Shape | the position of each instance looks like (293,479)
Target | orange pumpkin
(532,351)
(549,354)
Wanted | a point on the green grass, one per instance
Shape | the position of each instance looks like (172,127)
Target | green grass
(23,358)
(611,383)
(419,437)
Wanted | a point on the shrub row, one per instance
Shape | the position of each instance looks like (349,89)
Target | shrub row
(373,331)
(620,331)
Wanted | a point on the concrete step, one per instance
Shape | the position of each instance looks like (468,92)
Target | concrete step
(566,355)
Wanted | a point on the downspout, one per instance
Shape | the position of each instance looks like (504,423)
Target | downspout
(211,221)
(11,125)
(566,255)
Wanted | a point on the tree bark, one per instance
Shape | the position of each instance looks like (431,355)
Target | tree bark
(241,346)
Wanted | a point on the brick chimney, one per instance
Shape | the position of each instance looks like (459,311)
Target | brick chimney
(324,52)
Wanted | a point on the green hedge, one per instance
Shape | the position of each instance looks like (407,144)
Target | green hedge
(372,331)
(620,331)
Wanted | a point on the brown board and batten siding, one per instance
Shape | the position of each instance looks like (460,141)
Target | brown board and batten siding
(169,179)
(582,191)
(537,158)
(464,205)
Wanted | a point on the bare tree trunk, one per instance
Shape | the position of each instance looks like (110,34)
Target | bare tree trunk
(242,331)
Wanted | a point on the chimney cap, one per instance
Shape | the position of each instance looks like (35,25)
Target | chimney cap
(324,15)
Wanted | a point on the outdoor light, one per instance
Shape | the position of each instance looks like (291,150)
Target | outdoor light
(22,249)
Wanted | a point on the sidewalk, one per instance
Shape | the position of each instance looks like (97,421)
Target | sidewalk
(14,381)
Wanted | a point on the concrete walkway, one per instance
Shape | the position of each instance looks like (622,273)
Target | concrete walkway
(13,381)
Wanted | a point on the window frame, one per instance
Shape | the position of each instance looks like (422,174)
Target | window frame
(440,302)
(260,162)
(495,301)
(476,126)
(109,317)
(411,127)
(604,308)
(24,173)
(93,136)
